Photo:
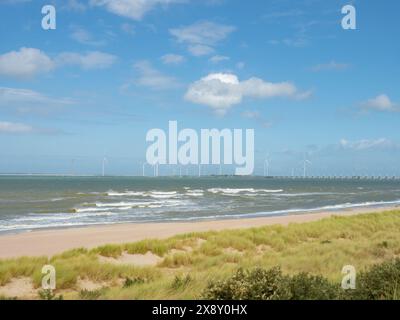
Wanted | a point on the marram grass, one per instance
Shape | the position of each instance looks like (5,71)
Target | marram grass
(191,261)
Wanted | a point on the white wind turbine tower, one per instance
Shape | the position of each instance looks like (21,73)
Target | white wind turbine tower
(156,170)
(305,163)
(73,167)
(266,167)
(105,161)
(143,169)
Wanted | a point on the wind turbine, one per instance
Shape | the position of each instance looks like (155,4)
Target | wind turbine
(104,166)
(73,167)
(199,170)
(266,167)
(143,168)
(305,163)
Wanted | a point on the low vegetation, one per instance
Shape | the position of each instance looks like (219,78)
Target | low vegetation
(307,258)
(380,282)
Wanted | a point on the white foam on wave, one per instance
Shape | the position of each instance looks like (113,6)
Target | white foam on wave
(124,194)
(115,204)
(238,191)
(195,193)
(344,206)
(306,194)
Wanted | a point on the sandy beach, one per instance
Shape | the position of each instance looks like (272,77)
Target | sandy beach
(50,242)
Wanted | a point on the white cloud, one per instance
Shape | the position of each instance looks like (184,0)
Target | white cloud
(152,78)
(172,59)
(201,37)
(83,36)
(26,100)
(25,63)
(75,5)
(257,116)
(199,50)
(21,128)
(221,91)
(217,59)
(12,127)
(380,103)
(90,60)
(258,88)
(366,144)
(330,66)
(29,62)
(133,9)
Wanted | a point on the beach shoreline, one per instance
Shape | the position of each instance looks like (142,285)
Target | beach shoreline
(55,241)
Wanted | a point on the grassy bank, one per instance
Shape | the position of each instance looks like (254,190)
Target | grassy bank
(186,264)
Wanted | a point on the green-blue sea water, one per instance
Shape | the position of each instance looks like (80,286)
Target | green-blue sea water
(39,202)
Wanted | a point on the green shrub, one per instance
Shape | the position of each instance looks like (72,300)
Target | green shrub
(130,282)
(260,284)
(90,294)
(47,294)
(380,282)
(257,284)
(307,287)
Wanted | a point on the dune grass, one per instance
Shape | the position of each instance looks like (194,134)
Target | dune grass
(189,262)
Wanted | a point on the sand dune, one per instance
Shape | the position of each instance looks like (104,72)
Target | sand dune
(48,243)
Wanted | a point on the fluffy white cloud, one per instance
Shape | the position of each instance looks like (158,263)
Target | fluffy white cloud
(380,103)
(153,78)
(172,59)
(221,91)
(218,90)
(90,60)
(366,144)
(12,127)
(25,63)
(202,36)
(133,9)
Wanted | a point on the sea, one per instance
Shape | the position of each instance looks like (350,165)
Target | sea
(30,203)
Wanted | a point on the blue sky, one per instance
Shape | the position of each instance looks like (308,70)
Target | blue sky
(112,70)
